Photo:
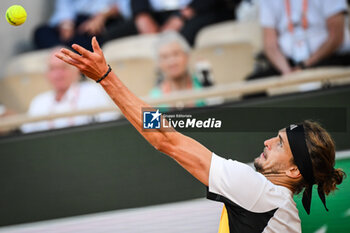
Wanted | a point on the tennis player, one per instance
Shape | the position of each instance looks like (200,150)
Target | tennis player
(299,157)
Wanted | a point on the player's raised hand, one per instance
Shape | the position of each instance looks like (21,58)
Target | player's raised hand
(92,64)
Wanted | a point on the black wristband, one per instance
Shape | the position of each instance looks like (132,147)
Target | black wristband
(105,75)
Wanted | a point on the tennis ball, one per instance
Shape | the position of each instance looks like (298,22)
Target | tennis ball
(16,15)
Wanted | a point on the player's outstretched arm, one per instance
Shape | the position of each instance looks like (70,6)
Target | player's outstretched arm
(189,153)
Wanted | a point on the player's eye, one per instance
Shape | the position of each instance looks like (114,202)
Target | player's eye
(280,143)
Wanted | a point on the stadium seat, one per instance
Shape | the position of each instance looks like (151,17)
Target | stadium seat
(138,74)
(133,46)
(230,62)
(28,63)
(231,31)
(16,91)
(24,79)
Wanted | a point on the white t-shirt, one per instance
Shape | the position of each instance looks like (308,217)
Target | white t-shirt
(69,9)
(169,5)
(253,203)
(79,96)
(273,14)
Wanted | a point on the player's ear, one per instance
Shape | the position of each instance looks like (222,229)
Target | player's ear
(293,172)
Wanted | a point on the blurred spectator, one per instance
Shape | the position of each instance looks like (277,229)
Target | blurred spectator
(172,55)
(68,94)
(248,10)
(303,33)
(76,21)
(184,16)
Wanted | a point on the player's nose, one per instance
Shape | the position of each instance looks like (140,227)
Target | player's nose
(267,144)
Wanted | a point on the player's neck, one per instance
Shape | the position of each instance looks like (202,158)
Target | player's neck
(282,180)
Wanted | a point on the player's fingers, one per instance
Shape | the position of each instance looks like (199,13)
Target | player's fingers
(95,46)
(71,54)
(81,50)
(68,60)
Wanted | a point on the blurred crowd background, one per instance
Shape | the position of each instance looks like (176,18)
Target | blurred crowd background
(199,54)
(162,47)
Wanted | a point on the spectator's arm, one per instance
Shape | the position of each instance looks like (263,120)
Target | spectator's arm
(96,24)
(273,51)
(335,26)
(63,18)
(177,21)
(269,21)
(144,22)
(174,23)
(66,29)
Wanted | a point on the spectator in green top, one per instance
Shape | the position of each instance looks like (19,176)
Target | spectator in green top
(172,55)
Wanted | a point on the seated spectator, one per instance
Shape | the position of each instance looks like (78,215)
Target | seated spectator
(68,94)
(172,55)
(186,17)
(76,21)
(302,34)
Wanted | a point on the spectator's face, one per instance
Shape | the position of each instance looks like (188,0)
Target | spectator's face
(172,60)
(276,157)
(61,75)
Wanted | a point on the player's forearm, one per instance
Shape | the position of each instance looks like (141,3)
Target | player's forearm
(131,106)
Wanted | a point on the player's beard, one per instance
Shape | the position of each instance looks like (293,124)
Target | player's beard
(266,172)
(258,166)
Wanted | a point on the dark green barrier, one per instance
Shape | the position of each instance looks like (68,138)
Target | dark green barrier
(110,166)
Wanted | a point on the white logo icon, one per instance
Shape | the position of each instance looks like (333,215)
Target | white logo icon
(293,126)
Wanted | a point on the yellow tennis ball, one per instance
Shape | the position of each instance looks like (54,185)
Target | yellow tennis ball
(16,15)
